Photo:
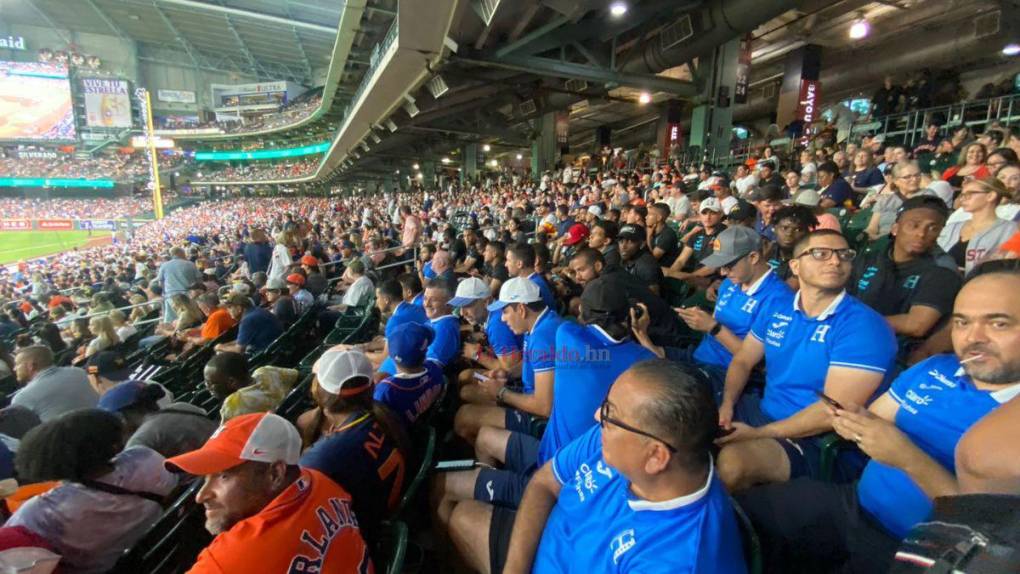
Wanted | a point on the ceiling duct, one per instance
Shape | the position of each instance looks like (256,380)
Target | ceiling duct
(676,33)
(527,107)
(575,85)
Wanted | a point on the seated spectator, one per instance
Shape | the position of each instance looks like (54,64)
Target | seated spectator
(662,240)
(970,241)
(792,223)
(603,239)
(490,344)
(521,261)
(269,514)
(412,290)
(47,390)
(106,370)
(296,287)
(445,345)
(767,200)
(651,453)
(152,420)
(280,303)
(256,330)
(833,190)
(698,244)
(353,439)
(227,377)
(826,220)
(418,382)
(910,432)
(124,330)
(810,344)
(906,183)
(315,281)
(636,258)
(970,164)
(107,498)
(105,335)
(360,290)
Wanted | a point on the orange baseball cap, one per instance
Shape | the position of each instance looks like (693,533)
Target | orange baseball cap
(296,278)
(309,260)
(1012,244)
(258,437)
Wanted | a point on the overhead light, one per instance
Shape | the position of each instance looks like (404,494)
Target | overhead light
(416,167)
(397,172)
(520,157)
(376,138)
(410,107)
(420,176)
(493,163)
(445,160)
(1011,50)
(645,98)
(486,148)
(859,29)
(618,9)
(437,86)
(364,146)
(391,125)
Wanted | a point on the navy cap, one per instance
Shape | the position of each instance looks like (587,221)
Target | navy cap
(408,344)
(130,393)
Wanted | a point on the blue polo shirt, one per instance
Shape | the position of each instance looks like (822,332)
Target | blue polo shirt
(587,363)
(409,395)
(419,300)
(736,310)
(799,350)
(426,270)
(405,313)
(501,339)
(938,403)
(598,526)
(539,348)
(543,288)
(444,348)
(257,329)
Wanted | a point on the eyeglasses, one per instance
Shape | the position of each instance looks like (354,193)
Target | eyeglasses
(826,253)
(911,175)
(969,194)
(605,418)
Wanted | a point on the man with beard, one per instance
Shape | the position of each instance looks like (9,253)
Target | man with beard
(910,432)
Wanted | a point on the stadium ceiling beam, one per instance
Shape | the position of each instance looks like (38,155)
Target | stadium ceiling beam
(58,29)
(185,44)
(254,65)
(106,20)
(300,45)
(595,74)
(220,9)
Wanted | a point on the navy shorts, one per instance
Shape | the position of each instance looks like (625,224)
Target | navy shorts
(505,487)
(804,453)
(518,421)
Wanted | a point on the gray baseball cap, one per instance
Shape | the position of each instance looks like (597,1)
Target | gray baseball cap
(731,245)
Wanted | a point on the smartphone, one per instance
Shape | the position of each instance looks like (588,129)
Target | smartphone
(481,377)
(455,465)
(830,401)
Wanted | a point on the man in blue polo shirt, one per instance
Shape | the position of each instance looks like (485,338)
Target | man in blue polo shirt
(446,344)
(910,433)
(257,328)
(635,493)
(819,341)
(520,262)
(490,346)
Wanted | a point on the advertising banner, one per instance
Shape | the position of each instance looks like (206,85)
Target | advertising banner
(810,98)
(743,70)
(56,224)
(176,96)
(15,225)
(107,103)
(97,224)
(29,153)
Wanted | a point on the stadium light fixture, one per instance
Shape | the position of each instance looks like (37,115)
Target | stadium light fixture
(410,107)
(645,98)
(618,9)
(420,176)
(391,125)
(375,137)
(486,148)
(520,157)
(860,29)
(1012,49)
(493,163)
(416,167)
(445,160)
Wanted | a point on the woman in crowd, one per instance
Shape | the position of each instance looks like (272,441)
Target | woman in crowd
(971,240)
(107,498)
(808,170)
(864,175)
(124,329)
(106,335)
(971,163)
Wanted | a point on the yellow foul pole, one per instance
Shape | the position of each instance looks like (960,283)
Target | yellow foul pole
(150,138)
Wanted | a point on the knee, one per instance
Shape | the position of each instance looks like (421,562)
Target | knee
(733,469)
(463,424)
(464,389)
(464,377)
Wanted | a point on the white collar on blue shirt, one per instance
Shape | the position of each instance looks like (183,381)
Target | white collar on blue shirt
(438,319)
(680,501)
(1001,396)
(828,310)
(606,335)
(750,291)
(538,320)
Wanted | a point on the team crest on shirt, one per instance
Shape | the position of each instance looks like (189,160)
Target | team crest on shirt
(621,543)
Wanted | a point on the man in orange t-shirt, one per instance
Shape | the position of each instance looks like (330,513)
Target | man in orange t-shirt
(268,514)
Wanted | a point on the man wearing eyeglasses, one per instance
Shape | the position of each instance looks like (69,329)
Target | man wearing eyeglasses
(636,493)
(820,340)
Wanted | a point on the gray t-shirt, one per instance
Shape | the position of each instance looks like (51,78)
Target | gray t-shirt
(175,430)
(55,391)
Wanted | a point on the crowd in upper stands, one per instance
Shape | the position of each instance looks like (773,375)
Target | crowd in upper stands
(93,208)
(258,170)
(291,113)
(119,167)
(624,357)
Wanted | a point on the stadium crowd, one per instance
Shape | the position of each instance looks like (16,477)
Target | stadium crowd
(93,208)
(624,363)
(119,167)
(290,113)
(257,171)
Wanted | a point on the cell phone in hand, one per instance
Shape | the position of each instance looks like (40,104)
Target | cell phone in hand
(481,377)
(455,465)
(830,401)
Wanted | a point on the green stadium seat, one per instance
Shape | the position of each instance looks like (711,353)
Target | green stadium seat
(173,543)
(391,548)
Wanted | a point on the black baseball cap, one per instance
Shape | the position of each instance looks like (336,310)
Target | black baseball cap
(742,211)
(631,231)
(604,296)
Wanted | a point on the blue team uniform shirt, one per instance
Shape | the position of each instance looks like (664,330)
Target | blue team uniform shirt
(419,300)
(736,310)
(445,345)
(405,313)
(410,395)
(938,403)
(547,295)
(587,363)
(539,348)
(500,338)
(799,350)
(599,527)
(257,329)
(427,271)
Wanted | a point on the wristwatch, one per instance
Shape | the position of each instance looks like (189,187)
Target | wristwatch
(499,395)
(715,330)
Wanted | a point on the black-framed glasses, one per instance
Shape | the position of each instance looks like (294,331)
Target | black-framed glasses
(826,253)
(605,418)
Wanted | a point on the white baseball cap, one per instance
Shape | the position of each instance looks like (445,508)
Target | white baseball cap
(711,204)
(517,290)
(595,210)
(807,197)
(258,437)
(335,368)
(470,290)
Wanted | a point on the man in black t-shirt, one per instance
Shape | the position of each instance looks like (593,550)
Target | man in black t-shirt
(699,244)
(494,267)
(662,240)
(905,281)
(791,224)
(637,260)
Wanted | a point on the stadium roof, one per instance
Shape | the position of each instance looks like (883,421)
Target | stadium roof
(269,39)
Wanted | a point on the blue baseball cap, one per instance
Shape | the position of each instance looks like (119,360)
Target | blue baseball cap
(130,393)
(408,344)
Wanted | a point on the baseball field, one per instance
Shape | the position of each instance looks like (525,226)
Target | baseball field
(17,245)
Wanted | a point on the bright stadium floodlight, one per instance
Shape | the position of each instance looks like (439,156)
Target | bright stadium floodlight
(860,29)
(486,148)
(375,137)
(618,9)
(645,98)
(1011,50)
(391,125)
(416,167)
(519,157)
(445,160)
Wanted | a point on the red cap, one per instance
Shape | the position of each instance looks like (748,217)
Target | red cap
(577,233)
(309,260)
(296,278)
(259,437)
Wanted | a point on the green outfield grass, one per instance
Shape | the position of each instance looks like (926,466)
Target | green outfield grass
(16,245)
